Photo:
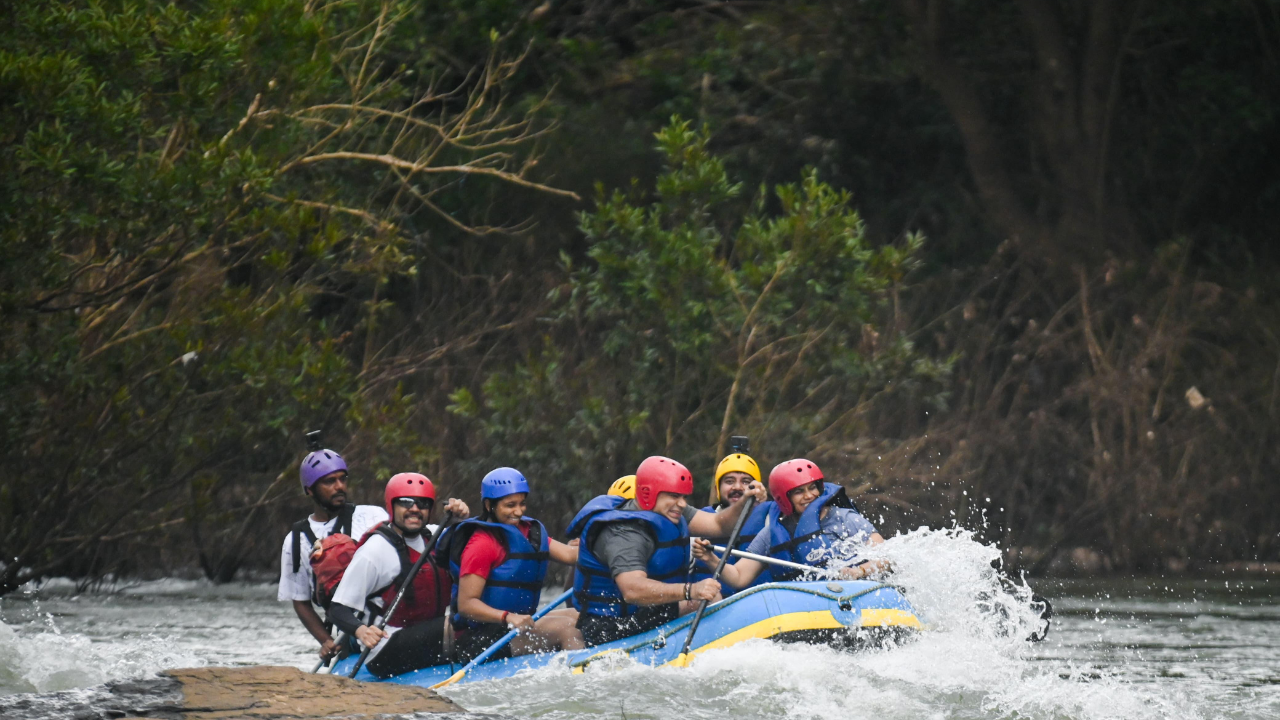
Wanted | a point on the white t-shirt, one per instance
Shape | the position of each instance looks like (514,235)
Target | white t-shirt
(374,566)
(297,586)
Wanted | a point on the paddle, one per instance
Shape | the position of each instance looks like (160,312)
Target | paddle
(501,643)
(342,637)
(683,660)
(774,561)
(404,586)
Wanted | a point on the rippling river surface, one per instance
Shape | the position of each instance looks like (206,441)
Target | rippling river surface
(1130,648)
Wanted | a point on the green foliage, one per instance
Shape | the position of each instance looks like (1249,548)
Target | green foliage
(223,223)
(192,251)
(700,314)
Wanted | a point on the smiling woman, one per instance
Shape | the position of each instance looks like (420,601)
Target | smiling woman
(498,563)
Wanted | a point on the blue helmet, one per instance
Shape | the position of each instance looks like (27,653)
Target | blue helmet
(502,482)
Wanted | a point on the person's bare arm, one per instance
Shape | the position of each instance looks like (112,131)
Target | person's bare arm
(638,589)
(858,572)
(562,553)
(306,612)
(739,574)
(720,524)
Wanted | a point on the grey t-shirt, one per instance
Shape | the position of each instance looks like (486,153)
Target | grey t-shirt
(839,523)
(627,546)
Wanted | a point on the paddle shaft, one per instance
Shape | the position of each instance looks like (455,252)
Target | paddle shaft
(773,561)
(404,586)
(342,637)
(501,642)
(702,604)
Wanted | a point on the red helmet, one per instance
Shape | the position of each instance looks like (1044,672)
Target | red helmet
(659,474)
(787,477)
(408,485)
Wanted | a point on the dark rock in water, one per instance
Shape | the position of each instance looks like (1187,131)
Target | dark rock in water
(260,693)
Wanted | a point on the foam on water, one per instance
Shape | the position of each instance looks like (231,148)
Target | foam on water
(1119,649)
(52,638)
(52,660)
(972,663)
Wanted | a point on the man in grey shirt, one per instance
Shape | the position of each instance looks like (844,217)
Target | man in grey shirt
(624,544)
(627,546)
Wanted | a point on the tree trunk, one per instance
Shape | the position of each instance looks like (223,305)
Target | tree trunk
(1067,212)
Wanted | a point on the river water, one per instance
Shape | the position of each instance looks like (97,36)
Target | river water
(1119,648)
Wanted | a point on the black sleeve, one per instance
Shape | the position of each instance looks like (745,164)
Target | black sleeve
(345,618)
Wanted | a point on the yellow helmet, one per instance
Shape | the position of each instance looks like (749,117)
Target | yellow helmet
(624,487)
(735,462)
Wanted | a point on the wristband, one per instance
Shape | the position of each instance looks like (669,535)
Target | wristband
(505,613)
(688,587)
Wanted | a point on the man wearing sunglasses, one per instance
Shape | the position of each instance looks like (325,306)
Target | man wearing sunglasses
(414,635)
(324,480)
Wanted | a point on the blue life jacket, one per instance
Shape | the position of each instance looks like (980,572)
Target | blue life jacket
(808,539)
(514,585)
(594,590)
(752,527)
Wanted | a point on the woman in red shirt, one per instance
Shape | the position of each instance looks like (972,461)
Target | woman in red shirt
(499,561)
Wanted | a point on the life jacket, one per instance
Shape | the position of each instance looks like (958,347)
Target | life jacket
(322,591)
(513,586)
(425,598)
(808,539)
(754,524)
(593,587)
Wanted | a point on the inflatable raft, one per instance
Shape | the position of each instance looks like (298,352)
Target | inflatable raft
(844,614)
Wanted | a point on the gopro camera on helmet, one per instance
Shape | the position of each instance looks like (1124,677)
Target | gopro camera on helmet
(740,444)
(313,441)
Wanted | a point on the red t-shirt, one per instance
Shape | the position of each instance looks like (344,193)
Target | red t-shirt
(484,552)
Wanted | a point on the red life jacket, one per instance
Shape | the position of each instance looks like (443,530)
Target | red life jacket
(428,594)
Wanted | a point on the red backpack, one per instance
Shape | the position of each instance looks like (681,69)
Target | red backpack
(329,560)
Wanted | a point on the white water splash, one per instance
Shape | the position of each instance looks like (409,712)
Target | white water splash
(1122,649)
(953,582)
(972,662)
(52,638)
(51,660)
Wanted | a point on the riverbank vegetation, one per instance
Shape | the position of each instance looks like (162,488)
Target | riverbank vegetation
(1008,267)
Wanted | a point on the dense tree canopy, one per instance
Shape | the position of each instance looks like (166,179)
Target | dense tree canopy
(442,232)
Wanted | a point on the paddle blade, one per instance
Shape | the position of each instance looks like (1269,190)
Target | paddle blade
(451,680)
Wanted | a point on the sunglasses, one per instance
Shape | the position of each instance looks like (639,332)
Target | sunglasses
(408,502)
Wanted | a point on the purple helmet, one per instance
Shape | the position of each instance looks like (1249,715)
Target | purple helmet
(318,464)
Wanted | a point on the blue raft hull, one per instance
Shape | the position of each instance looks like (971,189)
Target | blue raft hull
(844,613)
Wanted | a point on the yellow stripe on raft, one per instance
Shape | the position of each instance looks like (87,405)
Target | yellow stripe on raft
(885,617)
(788,622)
(809,620)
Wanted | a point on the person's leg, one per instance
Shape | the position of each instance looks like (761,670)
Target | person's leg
(598,629)
(412,648)
(552,632)
(478,639)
